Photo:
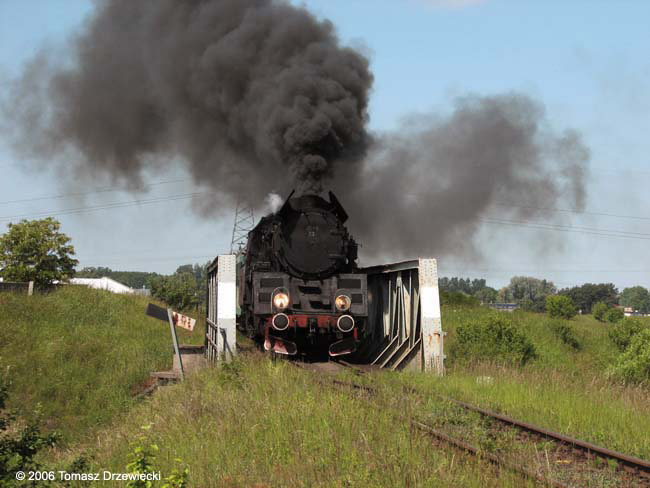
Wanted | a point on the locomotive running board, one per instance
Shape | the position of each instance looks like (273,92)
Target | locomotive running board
(404,322)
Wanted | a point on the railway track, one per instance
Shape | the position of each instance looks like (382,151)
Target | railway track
(570,455)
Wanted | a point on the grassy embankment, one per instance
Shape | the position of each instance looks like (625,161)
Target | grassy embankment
(81,354)
(564,388)
(268,424)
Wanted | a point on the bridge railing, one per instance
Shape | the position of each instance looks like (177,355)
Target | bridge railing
(404,316)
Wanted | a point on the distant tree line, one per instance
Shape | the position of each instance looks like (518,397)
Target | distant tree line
(531,294)
(586,296)
(477,288)
(182,290)
(134,279)
(36,250)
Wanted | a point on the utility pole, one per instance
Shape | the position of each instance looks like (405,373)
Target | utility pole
(244,223)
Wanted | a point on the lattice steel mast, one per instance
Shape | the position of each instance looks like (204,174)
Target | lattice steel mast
(244,223)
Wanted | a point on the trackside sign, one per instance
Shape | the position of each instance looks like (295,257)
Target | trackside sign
(164,314)
(183,321)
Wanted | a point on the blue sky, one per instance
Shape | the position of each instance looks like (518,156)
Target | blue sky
(586,61)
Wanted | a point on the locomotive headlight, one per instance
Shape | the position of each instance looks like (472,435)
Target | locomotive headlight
(343,303)
(281,300)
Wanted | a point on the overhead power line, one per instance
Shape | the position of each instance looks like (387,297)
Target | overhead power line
(569,228)
(91,192)
(580,212)
(107,206)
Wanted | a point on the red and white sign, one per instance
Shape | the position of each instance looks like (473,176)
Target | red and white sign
(183,321)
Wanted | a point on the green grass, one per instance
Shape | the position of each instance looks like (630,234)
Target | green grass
(81,354)
(564,389)
(595,354)
(263,424)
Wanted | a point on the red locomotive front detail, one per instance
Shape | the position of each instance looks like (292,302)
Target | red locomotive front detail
(310,315)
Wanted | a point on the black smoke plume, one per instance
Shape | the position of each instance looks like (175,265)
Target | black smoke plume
(258,96)
(250,93)
(427,189)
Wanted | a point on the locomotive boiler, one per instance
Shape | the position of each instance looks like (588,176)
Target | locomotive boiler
(299,286)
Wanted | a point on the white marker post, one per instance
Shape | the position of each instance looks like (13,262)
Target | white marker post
(432,334)
(227,306)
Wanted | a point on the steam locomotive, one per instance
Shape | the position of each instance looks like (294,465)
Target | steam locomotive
(299,286)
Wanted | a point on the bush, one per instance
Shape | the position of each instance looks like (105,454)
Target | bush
(633,366)
(458,298)
(536,305)
(566,334)
(20,442)
(495,338)
(614,315)
(560,306)
(622,333)
(599,311)
(142,460)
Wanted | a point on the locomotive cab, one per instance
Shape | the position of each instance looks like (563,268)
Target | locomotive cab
(302,292)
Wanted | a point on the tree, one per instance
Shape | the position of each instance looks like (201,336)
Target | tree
(185,289)
(529,292)
(179,291)
(35,250)
(463,285)
(486,295)
(613,315)
(636,297)
(586,296)
(599,310)
(560,306)
(185,268)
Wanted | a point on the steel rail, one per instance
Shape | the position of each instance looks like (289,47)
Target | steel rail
(624,459)
(432,432)
(493,458)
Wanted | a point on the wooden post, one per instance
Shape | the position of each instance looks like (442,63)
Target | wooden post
(30,289)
